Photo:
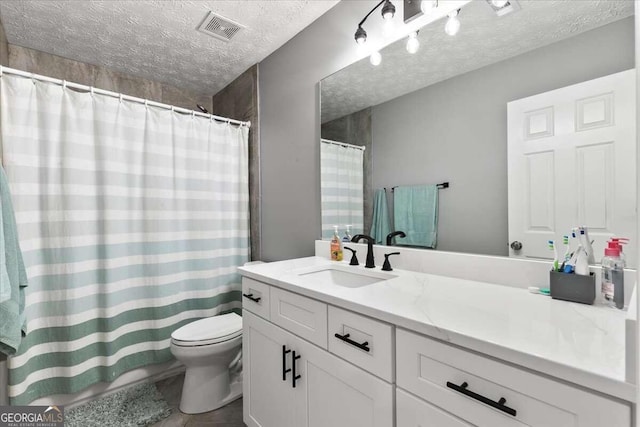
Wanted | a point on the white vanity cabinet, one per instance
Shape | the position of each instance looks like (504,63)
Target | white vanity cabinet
(308,363)
(290,382)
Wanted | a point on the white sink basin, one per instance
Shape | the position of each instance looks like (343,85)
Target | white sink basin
(344,276)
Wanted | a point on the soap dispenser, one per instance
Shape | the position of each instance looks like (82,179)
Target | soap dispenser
(336,245)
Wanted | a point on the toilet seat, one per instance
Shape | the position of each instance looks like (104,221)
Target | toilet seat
(211,330)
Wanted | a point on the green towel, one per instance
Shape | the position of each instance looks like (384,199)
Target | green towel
(12,319)
(415,211)
(380,223)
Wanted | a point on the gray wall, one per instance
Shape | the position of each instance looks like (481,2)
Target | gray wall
(456,131)
(239,100)
(38,62)
(290,128)
(355,129)
(4,47)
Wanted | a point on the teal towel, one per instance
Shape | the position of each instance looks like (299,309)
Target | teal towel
(12,318)
(380,223)
(415,211)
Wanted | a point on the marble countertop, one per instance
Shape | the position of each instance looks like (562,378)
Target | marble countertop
(578,343)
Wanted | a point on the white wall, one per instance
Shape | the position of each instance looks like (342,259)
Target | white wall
(456,131)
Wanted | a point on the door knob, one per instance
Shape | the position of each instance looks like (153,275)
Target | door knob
(516,246)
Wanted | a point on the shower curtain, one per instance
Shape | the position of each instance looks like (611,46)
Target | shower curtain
(132,220)
(341,187)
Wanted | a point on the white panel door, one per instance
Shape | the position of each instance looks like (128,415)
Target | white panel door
(267,397)
(572,162)
(334,393)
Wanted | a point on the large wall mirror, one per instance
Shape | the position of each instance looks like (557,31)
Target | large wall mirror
(522,124)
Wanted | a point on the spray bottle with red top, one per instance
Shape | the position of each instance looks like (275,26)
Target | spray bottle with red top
(613,273)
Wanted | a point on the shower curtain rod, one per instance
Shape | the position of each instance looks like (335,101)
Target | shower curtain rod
(343,144)
(122,96)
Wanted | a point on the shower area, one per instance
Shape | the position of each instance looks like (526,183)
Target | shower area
(132,217)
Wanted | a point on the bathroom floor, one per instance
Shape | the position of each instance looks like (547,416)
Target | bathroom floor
(171,389)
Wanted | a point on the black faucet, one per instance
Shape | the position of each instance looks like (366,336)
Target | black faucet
(390,236)
(370,241)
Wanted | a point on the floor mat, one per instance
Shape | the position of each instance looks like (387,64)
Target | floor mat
(141,405)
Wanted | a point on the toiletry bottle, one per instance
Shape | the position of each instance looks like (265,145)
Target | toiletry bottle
(336,245)
(613,276)
(619,241)
(582,262)
(347,235)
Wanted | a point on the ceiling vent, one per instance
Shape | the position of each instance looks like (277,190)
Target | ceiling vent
(509,7)
(220,27)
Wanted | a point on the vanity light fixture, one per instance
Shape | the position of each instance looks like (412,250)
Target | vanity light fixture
(412,43)
(427,6)
(453,23)
(388,11)
(375,58)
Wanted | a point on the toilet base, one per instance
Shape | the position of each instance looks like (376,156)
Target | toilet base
(204,396)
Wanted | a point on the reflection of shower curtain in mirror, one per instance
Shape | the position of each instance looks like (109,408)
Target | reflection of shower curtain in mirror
(341,183)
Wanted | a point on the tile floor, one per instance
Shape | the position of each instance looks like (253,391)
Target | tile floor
(171,389)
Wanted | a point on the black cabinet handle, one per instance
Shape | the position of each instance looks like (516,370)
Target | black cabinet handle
(364,346)
(294,377)
(500,404)
(251,297)
(284,362)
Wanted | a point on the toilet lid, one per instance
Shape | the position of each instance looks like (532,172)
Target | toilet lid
(209,330)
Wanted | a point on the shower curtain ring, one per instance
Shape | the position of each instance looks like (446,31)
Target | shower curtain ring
(64,84)
(120,98)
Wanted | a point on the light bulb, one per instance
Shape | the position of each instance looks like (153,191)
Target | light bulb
(388,10)
(499,3)
(412,43)
(453,24)
(427,6)
(375,58)
(361,35)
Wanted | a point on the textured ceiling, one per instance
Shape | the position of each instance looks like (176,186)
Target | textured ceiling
(158,39)
(483,39)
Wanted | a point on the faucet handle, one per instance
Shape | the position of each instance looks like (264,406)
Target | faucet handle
(387,266)
(354,258)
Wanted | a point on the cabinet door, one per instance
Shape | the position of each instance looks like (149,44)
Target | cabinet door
(414,412)
(332,392)
(267,398)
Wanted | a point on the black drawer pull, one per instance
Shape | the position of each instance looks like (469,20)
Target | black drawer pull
(364,346)
(284,362)
(251,297)
(500,404)
(294,377)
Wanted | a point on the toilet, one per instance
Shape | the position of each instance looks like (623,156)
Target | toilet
(211,351)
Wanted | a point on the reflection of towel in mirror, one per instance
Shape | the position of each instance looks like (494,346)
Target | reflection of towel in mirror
(415,211)
(12,319)
(380,223)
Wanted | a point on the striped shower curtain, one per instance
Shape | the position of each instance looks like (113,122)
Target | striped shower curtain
(341,187)
(132,220)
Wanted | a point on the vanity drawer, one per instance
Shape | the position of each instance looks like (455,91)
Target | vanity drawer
(365,342)
(412,412)
(303,316)
(437,373)
(255,297)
